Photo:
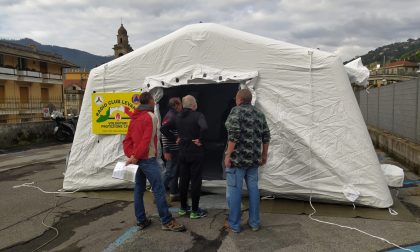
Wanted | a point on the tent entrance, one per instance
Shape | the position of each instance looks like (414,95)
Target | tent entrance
(215,101)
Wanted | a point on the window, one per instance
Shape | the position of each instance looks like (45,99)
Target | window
(1,60)
(44,95)
(24,94)
(43,67)
(22,64)
(2,94)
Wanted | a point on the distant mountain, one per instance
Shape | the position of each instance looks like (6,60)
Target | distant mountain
(409,51)
(80,58)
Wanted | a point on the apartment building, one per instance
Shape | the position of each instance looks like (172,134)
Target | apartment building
(31,83)
(75,80)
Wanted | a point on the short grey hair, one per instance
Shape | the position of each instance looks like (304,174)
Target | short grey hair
(189,102)
(245,96)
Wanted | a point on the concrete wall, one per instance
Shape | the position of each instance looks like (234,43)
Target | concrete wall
(401,149)
(25,133)
(373,107)
(386,109)
(405,110)
(392,114)
(394,108)
(363,103)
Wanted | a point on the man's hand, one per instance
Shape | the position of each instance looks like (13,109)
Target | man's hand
(263,159)
(131,160)
(228,162)
(167,156)
(197,142)
(178,140)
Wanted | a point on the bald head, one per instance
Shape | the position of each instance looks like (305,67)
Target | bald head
(189,102)
(244,96)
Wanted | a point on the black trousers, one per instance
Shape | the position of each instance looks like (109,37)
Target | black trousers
(190,169)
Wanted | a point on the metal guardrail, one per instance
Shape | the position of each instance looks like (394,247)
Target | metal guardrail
(16,110)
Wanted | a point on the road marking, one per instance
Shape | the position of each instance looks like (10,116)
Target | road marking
(415,248)
(120,240)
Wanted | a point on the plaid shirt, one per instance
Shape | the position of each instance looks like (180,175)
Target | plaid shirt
(247,127)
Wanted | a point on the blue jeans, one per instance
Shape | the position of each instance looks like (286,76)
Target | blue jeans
(234,178)
(150,169)
(170,177)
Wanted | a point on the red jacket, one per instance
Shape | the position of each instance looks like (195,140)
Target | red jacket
(141,138)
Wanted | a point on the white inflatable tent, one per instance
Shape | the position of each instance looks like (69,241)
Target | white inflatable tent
(319,146)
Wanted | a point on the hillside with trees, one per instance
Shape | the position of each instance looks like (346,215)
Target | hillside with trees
(409,51)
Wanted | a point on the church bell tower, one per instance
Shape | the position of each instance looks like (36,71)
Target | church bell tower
(122,47)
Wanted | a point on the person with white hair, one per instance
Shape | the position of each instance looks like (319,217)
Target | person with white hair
(191,126)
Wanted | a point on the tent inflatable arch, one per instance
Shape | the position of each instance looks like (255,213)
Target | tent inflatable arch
(319,146)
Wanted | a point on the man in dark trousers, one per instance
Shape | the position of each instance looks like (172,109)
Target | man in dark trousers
(140,146)
(191,126)
(171,151)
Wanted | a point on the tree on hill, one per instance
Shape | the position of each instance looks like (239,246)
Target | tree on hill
(409,51)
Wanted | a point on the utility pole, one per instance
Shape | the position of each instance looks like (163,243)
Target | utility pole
(417,135)
(383,72)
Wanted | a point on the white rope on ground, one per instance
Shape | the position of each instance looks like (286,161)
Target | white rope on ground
(268,197)
(31,184)
(49,227)
(392,211)
(310,53)
(352,228)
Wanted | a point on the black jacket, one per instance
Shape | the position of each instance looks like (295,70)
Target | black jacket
(170,144)
(190,125)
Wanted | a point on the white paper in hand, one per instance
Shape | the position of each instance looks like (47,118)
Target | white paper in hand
(125,172)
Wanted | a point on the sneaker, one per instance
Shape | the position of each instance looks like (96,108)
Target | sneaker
(201,213)
(228,228)
(183,212)
(173,226)
(174,197)
(255,229)
(142,225)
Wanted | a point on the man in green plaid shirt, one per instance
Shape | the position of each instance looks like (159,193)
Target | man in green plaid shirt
(248,139)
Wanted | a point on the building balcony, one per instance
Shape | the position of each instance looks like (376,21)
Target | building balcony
(30,76)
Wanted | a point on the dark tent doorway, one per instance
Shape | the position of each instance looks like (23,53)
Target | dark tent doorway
(215,101)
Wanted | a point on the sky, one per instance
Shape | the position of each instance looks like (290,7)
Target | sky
(347,28)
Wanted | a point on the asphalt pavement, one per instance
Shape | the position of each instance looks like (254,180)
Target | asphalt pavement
(86,224)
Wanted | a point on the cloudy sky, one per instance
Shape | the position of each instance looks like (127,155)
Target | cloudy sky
(348,28)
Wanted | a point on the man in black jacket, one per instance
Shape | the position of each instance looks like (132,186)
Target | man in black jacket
(191,126)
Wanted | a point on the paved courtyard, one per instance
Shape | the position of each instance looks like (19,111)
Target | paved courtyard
(107,224)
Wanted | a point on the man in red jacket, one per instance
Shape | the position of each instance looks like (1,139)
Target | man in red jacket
(140,146)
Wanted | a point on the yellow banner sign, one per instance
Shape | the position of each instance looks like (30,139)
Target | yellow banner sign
(111,111)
